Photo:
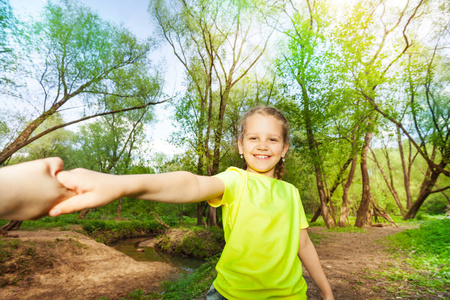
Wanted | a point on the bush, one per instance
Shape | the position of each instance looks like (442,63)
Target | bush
(435,205)
(197,242)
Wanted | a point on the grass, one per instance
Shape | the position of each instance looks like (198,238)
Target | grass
(427,252)
(189,286)
(104,228)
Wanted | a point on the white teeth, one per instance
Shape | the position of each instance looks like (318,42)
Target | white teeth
(261,156)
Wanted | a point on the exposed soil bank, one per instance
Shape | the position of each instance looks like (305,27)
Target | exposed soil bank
(81,268)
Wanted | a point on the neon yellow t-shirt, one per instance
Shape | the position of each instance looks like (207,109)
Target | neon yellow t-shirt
(262,218)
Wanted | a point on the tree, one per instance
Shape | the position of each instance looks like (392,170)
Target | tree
(9,33)
(82,60)
(215,42)
(108,144)
(306,64)
(57,143)
(400,50)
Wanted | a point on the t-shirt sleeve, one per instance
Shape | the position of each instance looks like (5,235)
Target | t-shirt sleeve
(303,221)
(233,180)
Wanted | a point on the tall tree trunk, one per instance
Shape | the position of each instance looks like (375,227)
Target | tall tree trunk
(406,170)
(343,218)
(212,215)
(425,190)
(336,184)
(329,222)
(363,215)
(119,209)
(201,154)
(390,184)
(200,209)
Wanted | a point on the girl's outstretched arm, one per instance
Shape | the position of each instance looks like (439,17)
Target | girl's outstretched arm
(95,189)
(308,255)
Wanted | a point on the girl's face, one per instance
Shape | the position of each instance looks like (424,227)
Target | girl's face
(262,144)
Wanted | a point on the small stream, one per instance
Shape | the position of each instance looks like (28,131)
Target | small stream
(129,246)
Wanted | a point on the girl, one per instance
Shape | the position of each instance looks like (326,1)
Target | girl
(263,218)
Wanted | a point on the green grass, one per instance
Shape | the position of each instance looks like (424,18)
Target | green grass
(347,229)
(427,251)
(189,286)
(104,228)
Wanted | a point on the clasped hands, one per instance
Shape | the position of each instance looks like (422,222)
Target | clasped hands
(38,188)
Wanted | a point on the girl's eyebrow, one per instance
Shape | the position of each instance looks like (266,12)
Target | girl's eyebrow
(270,134)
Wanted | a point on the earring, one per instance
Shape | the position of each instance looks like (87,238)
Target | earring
(242,156)
(282,159)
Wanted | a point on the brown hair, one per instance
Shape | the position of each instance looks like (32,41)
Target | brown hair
(268,111)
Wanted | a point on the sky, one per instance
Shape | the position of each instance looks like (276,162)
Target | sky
(132,15)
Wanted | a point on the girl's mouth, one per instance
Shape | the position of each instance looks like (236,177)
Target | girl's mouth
(262,156)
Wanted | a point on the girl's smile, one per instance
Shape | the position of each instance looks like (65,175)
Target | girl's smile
(262,144)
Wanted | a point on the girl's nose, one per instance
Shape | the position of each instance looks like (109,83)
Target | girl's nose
(262,146)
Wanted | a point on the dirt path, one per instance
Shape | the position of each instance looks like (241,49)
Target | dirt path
(85,269)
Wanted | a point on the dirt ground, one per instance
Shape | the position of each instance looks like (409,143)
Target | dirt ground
(351,261)
(86,269)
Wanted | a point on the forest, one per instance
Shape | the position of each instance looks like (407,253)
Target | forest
(365,86)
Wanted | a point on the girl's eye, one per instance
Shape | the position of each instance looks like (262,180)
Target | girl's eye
(252,138)
(274,140)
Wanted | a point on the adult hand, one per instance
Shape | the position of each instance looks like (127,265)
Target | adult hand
(28,190)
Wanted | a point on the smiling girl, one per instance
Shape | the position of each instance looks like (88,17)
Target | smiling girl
(263,219)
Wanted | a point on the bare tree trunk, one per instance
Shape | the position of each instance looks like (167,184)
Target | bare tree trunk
(343,219)
(425,190)
(390,184)
(200,209)
(337,182)
(212,217)
(12,225)
(82,215)
(363,215)
(381,212)
(406,170)
(119,209)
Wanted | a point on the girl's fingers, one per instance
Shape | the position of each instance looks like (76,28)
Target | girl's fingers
(73,204)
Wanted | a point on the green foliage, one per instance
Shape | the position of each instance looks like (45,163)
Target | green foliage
(198,242)
(73,53)
(431,238)
(428,252)
(192,286)
(435,205)
(348,229)
(189,286)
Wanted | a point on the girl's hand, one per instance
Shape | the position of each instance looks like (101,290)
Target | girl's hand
(28,190)
(92,189)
